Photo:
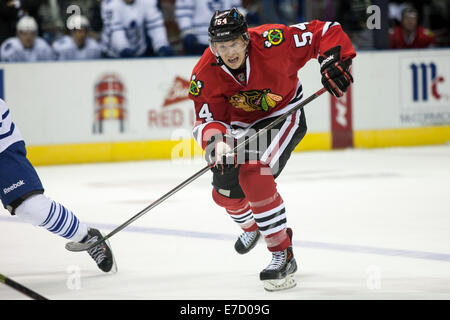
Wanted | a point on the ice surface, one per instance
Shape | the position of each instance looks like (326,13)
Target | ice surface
(368,224)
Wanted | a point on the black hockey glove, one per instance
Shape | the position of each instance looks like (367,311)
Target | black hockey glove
(336,76)
(219,153)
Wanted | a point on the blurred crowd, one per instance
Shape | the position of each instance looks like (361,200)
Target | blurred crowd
(40,30)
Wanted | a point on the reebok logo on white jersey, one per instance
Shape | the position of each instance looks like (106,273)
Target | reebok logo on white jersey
(13,186)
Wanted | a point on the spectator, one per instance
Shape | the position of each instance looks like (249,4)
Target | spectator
(27,46)
(88,8)
(409,34)
(77,46)
(193,17)
(54,15)
(128,23)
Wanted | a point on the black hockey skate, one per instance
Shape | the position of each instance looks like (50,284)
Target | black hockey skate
(279,274)
(247,241)
(101,253)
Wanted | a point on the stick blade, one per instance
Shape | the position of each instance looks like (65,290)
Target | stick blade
(77,246)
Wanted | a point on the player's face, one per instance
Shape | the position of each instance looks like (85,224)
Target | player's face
(27,38)
(409,22)
(79,36)
(232,52)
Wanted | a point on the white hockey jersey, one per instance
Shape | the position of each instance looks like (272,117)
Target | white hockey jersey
(12,50)
(126,26)
(194,16)
(66,49)
(9,134)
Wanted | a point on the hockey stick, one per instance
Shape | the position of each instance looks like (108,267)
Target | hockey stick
(17,286)
(77,246)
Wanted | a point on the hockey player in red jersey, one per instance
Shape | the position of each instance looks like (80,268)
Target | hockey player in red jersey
(246,79)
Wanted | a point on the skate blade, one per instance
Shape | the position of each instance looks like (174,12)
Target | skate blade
(114,268)
(77,246)
(280,284)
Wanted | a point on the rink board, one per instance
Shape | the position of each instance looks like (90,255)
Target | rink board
(167,149)
(116,110)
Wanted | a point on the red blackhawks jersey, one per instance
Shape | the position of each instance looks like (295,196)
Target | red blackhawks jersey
(270,85)
(422,38)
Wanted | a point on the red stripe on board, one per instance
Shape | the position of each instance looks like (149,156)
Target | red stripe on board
(342,120)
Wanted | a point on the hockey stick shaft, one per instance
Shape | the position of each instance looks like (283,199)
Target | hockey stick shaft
(22,289)
(154,204)
(80,247)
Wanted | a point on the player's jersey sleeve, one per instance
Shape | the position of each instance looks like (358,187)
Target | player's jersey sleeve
(62,49)
(209,120)
(113,35)
(184,13)
(45,51)
(10,51)
(9,133)
(154,24)
(310,39)
(94,51)
(211,112)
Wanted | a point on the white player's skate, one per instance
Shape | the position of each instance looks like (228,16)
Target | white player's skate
(101,253)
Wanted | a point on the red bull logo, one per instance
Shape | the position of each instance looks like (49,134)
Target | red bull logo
(110,103)
(178,92)
(173,114)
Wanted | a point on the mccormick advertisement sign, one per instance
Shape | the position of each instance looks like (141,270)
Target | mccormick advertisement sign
(425,90)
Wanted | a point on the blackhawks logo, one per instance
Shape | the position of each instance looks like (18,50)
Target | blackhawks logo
(254,100)
(195,87)
(273,37)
